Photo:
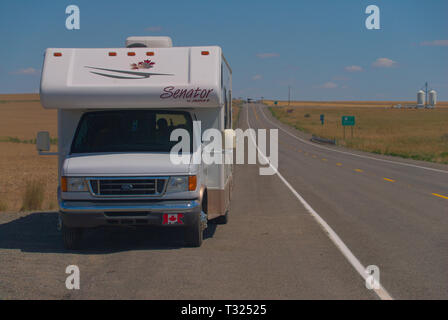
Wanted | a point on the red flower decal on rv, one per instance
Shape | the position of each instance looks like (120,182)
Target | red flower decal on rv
(145,64)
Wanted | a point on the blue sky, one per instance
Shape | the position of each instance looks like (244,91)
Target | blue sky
(320,48)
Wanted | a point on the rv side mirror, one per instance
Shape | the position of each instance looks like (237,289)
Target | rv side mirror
(229,139)
(43,141)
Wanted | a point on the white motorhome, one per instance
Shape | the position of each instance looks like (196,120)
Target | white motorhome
(117,108)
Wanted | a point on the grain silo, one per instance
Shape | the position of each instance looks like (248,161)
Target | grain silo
(432,97)
(421,98)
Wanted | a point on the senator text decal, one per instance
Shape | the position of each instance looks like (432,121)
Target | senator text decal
(191,95)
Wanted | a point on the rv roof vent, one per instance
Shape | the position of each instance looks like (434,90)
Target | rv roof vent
(149,42)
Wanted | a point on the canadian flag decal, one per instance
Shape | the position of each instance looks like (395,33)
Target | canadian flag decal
(173,218)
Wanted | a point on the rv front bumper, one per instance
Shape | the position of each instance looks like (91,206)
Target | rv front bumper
(89,214)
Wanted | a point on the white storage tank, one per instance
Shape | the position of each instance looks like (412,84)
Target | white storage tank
(432,97)
(421,98)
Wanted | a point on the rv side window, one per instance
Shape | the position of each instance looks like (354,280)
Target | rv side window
(226,110)
(130,131)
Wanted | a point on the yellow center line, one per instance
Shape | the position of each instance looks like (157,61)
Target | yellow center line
(440,196)
(255,112)
(359,170)
(323,159)
(314,156)
(339,164)
(390,180)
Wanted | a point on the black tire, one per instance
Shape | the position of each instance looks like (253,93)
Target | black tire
(222,219)
(194,234)
(71,237)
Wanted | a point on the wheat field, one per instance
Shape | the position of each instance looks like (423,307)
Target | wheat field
(407,133)
(21,117)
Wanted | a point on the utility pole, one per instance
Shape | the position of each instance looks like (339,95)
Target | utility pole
(289,95)
(426,94)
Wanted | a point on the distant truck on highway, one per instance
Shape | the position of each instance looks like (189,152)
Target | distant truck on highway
(117,108)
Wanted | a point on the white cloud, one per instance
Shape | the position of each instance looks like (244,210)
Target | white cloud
(267,55)
(384,63)
(257,77)
(25,71)
(329,85)
(353,68)
(437,43)
(154,29)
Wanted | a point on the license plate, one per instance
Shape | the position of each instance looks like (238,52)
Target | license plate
(173,218)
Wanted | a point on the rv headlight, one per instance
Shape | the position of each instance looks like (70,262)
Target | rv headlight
(74,184)
(177,184)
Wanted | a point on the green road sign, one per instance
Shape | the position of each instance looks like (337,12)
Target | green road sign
(275,102)
(348,120)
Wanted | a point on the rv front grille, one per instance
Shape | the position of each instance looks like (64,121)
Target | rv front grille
(109,187)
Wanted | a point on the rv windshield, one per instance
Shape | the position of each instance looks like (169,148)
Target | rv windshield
(129,131)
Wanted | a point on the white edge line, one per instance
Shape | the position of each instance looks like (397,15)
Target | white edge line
(349,153)
(381,292)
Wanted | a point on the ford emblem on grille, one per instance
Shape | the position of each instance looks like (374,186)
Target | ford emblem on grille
(127,187)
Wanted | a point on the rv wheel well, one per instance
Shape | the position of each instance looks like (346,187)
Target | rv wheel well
(204,201)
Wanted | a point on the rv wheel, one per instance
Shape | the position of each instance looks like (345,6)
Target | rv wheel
(194,234)
(71,237)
